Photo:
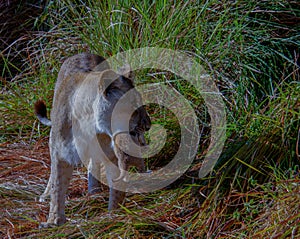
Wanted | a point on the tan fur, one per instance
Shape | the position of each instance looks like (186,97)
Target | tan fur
(63,151)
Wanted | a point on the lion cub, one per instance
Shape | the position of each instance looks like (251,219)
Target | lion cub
(64,151)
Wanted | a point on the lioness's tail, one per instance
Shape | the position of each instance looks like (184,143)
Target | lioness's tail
(41,112)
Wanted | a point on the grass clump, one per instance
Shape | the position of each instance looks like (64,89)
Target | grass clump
(252,51)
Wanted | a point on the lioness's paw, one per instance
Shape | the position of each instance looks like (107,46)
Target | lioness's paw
(53,221)
(42,198)
(46,225)
(45,195)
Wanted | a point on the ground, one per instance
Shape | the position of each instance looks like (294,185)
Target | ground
(24,171)
(270,210)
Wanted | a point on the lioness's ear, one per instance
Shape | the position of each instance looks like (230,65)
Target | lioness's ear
(110,81)
(107,79)
(126,71)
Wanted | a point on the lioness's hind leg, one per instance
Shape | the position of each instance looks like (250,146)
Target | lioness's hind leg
(96,174)
(94,186)
(61,173)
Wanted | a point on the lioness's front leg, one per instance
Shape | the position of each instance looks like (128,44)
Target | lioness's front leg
(116,197)
(61,173)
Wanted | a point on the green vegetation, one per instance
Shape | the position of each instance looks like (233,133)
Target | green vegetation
(252,50)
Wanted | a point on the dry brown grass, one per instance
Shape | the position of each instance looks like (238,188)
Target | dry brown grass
(24,171)
(271,210)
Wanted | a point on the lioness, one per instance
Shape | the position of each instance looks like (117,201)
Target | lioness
(63,150)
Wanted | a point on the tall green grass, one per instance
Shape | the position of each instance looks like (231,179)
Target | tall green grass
(250,48)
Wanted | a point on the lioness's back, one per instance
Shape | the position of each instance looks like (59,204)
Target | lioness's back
(83,62)
(69,77)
